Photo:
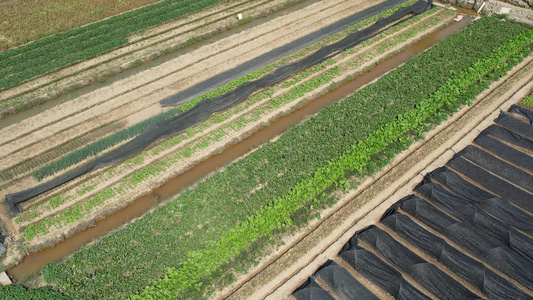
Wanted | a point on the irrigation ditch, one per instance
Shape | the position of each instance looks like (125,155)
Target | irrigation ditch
(34,261)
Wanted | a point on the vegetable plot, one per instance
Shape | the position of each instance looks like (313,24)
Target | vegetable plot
(208,225)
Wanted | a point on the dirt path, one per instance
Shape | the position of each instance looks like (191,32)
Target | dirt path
(278,275)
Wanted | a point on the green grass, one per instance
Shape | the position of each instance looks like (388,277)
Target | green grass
(528,101)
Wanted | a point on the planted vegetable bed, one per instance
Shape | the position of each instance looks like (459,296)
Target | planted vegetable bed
(188,239)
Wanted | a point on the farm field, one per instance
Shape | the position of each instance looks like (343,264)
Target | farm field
(100,194)
(130,48)
(216,227)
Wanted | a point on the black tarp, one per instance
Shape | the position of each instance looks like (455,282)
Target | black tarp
(512,123)
(207,107)
(473,271)
(524,112)
(483,247)
(426,274)
(342,282)
(493,183)
(508,136)
(378,272)
(499,167)
(504,151)
(498,207)
(470,213)
(310,290)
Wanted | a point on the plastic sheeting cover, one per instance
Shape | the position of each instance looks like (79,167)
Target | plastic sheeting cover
(493,183)
(526,113)
(474,272)
(480,245)
(508,121)
(504,151)
(425,273)
(273,55)
(207,107)
(498,167)
(498,207)
(470,213)
(378,272)
(342,282)
(508,136)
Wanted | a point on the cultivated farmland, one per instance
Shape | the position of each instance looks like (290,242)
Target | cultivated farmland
(214,223)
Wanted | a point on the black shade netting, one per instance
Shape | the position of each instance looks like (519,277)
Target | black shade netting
(505,151)
(512,123)
(207,107)
(497,166)
(342,282)
(524,112)
(474,272)
(426,274)
(493,183)
(484,247)
(273,55)
(508,136)
(498,207)
(310,290)
(469,213)
(379,272)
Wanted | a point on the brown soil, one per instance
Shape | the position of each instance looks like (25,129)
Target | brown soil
(278,275)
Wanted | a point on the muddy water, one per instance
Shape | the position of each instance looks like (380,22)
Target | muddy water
(34,261)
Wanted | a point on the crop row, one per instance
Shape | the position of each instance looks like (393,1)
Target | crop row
(49,54)
(133,181)
(271,182)
(99,146)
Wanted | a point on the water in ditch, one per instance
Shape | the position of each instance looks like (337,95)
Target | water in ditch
(35,260)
